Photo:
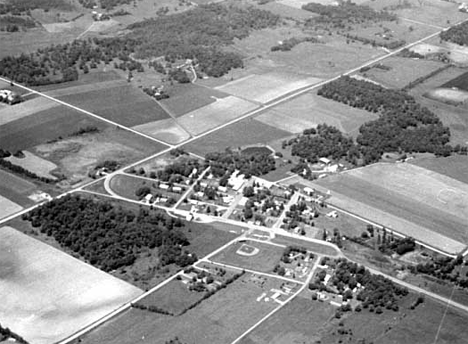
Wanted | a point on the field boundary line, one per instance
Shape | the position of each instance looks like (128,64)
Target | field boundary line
(422,23)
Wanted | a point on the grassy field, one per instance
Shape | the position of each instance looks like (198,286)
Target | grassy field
(8,207)
(30,107)
(263,261)
(246,132)
(452,116)
(307,321)
(266,87)
(427,208)
(309,110)
(219,320)
(16,189)
(403,71)
(215,114)
(453,166)
(185,98)
(123,104)
(311,246)
(167,130)
(33,163)
(62,293)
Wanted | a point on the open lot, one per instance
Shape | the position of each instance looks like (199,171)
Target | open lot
(403,71)
(122,104)
(47,294)
(408,199)
(219,319)
(246,132)
(215,114)
(309,110)
(264,261)
(166,130)
(266,87)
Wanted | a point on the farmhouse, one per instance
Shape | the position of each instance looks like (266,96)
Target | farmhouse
(325,161)
(10,97)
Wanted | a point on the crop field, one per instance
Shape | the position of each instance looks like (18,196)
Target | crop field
(16,189)
(309,110)
(460,82)
(263,261)
(266,87)
(94,86)
(215,114)
(419,326)
(76,154)
(43,126)
(185,98)
(246,132)
(404,71)
(122,104)
(31,107)
(8,207)
(47,294)
(219,319)
(416,202)
(454,166)
(452,116)
(167,130)
(35,164)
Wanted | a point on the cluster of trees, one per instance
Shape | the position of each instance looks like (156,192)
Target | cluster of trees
(444,268)
(175,172)
(199,33)
(88,3)
(223,164)
(15,23)
(151,308)
(324,141)
(377,43)
(423,78)
(290,43)
(89,129)
(111,237)
(403,124)
(17,7)
(6,334)
(110,4)
(397,245)
(457,34)
(346,13)
(379,291)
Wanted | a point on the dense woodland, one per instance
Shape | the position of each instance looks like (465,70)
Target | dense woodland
(345,14)
(17,7)
(197,34)
(457,34)
(403,125)
(111,237)
(224,163)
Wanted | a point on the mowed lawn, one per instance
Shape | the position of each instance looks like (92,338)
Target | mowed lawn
(123,104)
(264,261)
(44,126)
(407,206)
(48,295)
(219,319)
(246,132)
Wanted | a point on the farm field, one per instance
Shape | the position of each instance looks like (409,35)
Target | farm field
(47,294)
(16,189)
(419,326)
(100,75)
(8,207)
(215,114)
(219,319)
(264,261)
(167,130)
(33,163)
(34,106)
(76,154)
(309,110)
(454,166)
(43,126)
(246,132)
(266,87)
(460,82)
(122,104)
(185,98)
(408,199)
(403,71)
(452,116)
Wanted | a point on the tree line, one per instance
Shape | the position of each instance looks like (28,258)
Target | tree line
(110,237)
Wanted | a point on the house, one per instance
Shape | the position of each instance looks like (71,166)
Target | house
(243,201)
(333,214)
(308,191)
(148,198)
(164,186)
(325,161)
(177,189)
(222,188)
